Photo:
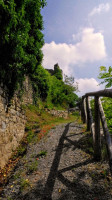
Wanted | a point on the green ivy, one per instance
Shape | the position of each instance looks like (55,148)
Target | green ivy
(21,40)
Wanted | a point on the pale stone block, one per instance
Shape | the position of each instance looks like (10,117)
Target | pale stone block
(14,119)
(6,157)
(2,162)
(4,125)
(12,111)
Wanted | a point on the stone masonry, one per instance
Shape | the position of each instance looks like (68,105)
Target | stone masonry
(58,113)
(12,121)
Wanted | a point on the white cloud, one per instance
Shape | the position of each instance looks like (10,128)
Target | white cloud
(100,9)
(91,48)
(88,85)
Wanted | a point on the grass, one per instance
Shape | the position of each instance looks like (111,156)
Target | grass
(31,167)
(42,153)
(86,143)
(104,151)
(20,151)
(40,118)
(17,175)
(30,136)
(36,119)
(24,183)
(9,198)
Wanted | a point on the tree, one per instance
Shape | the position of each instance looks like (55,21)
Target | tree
(58,72)
(21,40)
(41,83)
(106,75)
(70,88)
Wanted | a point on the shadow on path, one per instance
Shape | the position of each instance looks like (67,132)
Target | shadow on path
(54,168)
(75,188)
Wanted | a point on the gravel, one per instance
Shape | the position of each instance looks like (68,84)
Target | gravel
(65,172)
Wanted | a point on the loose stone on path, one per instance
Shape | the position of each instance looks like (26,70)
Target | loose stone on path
(67,172)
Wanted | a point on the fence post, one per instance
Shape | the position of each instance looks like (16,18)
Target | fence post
(97,142)
(83,115)
(106,134)
(88,116)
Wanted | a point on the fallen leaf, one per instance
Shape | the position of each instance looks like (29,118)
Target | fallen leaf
(59,190)
(11,186)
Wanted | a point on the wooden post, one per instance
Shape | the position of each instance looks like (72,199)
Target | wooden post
(85,110)
(88,116)
(95,128)
(83,115)
(97,142)
(106,134)
(91,122)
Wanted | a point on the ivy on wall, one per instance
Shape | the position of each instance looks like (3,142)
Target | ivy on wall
(21,40)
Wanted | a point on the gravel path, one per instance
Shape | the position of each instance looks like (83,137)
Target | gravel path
(58,168)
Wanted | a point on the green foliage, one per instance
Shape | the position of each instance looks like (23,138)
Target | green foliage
(32,166)
(24,183)
(62,93)
(58,72)
(42,153)
(92,103)
(20,151)
(76,113)
(41,83)
(52,89)
(106,75)
(17,175)
(70,89)
(21,40)
(9,198)
(30,136)
(107,106)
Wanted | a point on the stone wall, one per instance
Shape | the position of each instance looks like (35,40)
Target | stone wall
(12,121)
(58,113)
(28,92)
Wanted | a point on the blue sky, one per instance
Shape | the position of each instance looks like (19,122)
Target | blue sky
(78,36)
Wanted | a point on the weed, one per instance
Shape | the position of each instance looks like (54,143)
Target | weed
(90,150)
(93,175)
(20,151)
(33,155)
(17,175)
(30,136)
(33,108)
(54,127)
(9,198)
(104,153)
(28,127)
(104,173)
(35,126)
(24,183)
(75,113)
(42,154)
(73,170)
(106,184)
(31,167)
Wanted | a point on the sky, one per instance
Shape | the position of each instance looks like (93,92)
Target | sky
(78,36)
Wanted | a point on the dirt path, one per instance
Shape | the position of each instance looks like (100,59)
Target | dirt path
(59,168)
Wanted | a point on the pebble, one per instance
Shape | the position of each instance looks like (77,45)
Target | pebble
(63,174)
